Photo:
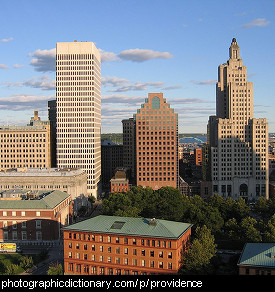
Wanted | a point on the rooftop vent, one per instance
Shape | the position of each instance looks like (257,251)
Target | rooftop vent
(153,222)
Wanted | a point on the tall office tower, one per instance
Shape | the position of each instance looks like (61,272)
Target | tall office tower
(156,143)
(129,147)
(78,104)
(238,142)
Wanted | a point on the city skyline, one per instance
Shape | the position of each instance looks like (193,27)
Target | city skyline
(146,46)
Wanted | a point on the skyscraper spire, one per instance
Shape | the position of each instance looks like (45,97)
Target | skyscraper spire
(234,50)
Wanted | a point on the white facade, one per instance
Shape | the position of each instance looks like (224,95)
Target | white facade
(78,104)
(238,142)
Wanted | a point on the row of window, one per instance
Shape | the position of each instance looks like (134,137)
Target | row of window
(18,213)
(94,270)
(126,261)
(23,224)
(21,236)
(151,264)
(117,250)
(21,135)
(121,240)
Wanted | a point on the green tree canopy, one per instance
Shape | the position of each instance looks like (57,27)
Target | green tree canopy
(197,259)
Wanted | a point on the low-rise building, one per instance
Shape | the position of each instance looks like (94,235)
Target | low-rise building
(26,146)
(35,218)
(257,259)
(72,181)
(120,181)
(112,245)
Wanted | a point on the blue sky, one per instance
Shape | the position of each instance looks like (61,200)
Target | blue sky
(174,47)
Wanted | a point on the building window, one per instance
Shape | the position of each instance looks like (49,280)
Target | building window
(38,224)
(155,103)
(38,235)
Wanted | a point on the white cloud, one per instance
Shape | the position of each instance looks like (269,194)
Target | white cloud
(121,98)
(205,82)
(172,87)
(24,98)
(257,22)
(108,56)
(141,55)
(43,60)
(123,84)
(113,81)
(188,100)
(137,86)
(18,66)
(44,82)
(6,40)
(3,66)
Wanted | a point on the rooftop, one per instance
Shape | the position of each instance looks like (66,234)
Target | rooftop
(258,254)
(41,172)
(48,200)
(131,226)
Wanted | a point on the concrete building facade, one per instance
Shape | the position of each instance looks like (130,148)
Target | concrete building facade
(26,146)
(238,142)
(73,182)
(78,106)
(156,143)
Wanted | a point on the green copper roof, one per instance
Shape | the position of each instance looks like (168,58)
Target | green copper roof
(131,226)
(258,254)
(50,200)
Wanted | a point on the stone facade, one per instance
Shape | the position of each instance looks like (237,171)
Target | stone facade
(238,143)
(78,106)
(26,146)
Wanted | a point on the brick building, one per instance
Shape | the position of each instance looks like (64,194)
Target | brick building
(36,218)
(120,181)
(111,245)
(257,259)
(156,143)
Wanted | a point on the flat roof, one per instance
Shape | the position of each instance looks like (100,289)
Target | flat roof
(41,172)
(258,254)
(131,226)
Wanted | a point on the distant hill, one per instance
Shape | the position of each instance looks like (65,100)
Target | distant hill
(118,137)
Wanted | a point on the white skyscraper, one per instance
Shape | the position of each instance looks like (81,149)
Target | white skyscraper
(238,142)
(78,106)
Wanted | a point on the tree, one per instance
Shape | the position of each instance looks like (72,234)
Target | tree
(116,203)
(269,234)
(197,260)
(169,203)
(199,213)
(245,231)
(240,209)
(55,269)
(26,262)
(249,231)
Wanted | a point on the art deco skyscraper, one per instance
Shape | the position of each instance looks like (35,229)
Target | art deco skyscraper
(238,143)
(156,143)
(78,104)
